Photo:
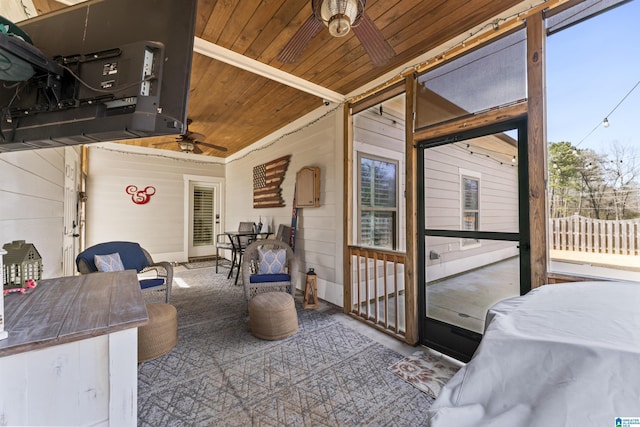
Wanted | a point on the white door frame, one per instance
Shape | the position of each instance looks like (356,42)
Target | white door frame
(70,246)
(218,184)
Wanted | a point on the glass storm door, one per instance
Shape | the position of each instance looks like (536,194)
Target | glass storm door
(475,243)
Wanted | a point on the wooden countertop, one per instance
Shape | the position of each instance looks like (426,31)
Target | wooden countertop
(68,309)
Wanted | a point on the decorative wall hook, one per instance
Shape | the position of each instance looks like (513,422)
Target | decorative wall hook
(140,197)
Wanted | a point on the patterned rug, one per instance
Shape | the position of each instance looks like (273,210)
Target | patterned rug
(425,371)
(327,374)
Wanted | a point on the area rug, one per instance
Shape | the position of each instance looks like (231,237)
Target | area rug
(427,372)
(327,374)
(204,264)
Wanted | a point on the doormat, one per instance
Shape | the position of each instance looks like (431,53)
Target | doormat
(424,371)
(200,264)
(206,263)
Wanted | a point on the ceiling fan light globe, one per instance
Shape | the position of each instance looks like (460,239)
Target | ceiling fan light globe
(339,15)
(339,25)
(186,146)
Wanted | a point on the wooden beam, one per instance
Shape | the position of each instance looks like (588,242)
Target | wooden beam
(230,57)
(412,320)
(347,202)
(536,148)
(473,121)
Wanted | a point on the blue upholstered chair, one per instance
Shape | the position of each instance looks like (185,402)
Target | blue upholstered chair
(269,265)
(114,256)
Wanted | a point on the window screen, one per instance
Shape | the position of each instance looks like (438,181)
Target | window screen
(493,75)
(557,21)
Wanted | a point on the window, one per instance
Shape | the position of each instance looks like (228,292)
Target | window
(470,207)
(202,216)
(378,202)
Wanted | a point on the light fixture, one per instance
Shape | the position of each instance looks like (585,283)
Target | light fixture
(186,146)
(605,122)
(340,15)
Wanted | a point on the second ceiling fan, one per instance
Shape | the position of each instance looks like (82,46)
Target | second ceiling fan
(189,142)
(339,16)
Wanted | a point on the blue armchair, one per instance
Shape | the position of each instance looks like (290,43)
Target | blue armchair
(130,256)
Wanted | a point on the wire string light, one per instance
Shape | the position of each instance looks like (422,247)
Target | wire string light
(25,9)
(605,121)
(190,160)
(480,151)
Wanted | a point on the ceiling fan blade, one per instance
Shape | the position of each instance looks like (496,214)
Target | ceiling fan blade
(215,147)
(373,42)
(162,143)
(300,40)
(193,136)
(196,149)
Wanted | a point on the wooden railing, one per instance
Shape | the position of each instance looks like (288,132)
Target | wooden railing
(377,289)
(580,234)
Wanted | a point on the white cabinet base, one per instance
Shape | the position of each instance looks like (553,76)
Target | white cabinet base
(90,382)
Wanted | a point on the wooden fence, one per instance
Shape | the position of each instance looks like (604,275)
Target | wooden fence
(581,234)
(377,289)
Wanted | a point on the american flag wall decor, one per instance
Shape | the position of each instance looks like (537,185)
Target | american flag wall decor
(267,179)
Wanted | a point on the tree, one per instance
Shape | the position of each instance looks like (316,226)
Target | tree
(620,176)
(593,184)
(564,178)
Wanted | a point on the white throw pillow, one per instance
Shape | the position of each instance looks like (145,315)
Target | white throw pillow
(111,262)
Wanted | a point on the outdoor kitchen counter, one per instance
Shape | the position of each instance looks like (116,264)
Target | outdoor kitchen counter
(67,309)
(71,356)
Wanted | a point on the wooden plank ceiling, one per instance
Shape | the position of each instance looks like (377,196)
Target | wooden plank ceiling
(235,108)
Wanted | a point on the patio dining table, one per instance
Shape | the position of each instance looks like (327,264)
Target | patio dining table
(239,241)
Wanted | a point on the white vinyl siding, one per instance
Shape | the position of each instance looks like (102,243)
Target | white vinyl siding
(32,203)
(445,166)
(319,233)
(159,225)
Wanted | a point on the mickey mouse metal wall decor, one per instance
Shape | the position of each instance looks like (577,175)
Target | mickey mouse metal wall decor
(140,197)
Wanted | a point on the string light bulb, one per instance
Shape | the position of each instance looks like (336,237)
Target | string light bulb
(605,122)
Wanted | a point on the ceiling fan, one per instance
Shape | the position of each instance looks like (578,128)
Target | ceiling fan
(339,16)
(189,142)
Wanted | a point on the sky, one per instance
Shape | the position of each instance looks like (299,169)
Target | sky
(590,68)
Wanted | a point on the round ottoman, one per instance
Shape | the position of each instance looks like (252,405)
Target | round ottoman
(273,316)
(160,335)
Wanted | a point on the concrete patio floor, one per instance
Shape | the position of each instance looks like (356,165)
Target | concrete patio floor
(463,300)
